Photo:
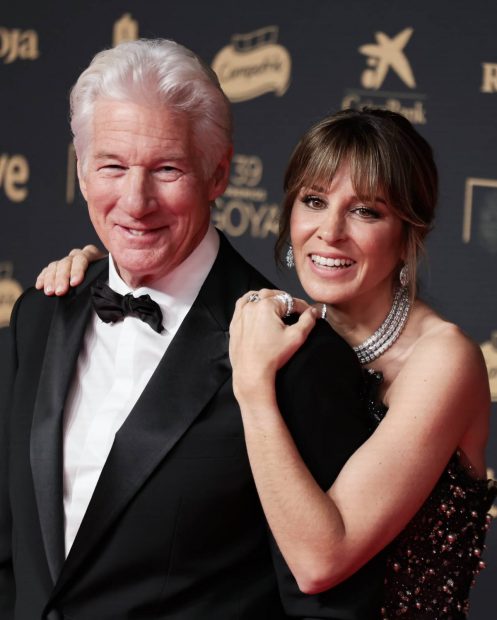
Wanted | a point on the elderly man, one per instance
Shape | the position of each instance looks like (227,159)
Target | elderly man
(126,490)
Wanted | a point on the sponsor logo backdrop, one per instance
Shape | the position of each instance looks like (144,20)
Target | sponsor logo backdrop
(283,65)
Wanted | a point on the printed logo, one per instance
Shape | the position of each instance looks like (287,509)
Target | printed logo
(489,77)
(125,29)
(14,175)
(9,292)
(253,64)
(493,510)
(384,56)
(480,213)
(387,54)
(489,350)
(244,207)
(16,44)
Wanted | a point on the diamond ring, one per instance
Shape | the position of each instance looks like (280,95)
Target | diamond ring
(288,301)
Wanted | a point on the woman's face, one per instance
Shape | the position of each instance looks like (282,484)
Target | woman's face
(344,249)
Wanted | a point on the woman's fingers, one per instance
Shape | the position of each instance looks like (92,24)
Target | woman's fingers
(58,276)
(260,340)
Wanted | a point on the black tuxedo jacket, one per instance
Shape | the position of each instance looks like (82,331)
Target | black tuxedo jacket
(174,529)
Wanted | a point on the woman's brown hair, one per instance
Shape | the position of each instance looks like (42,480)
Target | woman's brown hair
(385,154)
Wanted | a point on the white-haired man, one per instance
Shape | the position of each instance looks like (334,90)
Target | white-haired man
(126,490)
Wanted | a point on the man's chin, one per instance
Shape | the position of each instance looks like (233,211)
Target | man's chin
(138,272)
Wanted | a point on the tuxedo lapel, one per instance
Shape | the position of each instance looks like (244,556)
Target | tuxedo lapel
(63,346)
(194,367)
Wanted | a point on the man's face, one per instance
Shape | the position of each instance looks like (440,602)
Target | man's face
(147,196)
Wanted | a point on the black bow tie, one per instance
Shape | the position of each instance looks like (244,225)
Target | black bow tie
(111,306)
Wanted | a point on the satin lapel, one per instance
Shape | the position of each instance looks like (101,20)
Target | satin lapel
(195,365)
(63,346)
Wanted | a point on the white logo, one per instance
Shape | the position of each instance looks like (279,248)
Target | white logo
(384,55)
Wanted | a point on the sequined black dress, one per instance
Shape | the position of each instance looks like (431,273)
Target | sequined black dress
(433,562)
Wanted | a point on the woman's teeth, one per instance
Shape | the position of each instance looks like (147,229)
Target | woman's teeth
(331,262)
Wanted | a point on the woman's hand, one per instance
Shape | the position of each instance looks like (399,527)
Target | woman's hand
(261,343)
(58,276)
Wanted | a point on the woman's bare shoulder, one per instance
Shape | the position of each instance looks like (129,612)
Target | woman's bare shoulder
(445,358)
(443,341)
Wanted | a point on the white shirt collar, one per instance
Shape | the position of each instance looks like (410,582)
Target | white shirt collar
(176,291)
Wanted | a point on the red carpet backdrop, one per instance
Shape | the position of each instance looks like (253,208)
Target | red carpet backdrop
(283,64)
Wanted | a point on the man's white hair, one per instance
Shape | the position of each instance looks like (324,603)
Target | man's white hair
(155,72)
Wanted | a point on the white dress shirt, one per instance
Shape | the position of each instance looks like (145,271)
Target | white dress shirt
(113,368)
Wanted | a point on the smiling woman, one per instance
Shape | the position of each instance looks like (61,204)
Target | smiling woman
(361,189)
(344,246)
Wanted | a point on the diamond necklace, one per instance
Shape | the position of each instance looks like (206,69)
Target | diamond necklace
(389,330)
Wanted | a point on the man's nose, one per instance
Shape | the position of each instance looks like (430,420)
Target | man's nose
(137,195)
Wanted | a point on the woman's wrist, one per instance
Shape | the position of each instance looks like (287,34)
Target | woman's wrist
(255,392)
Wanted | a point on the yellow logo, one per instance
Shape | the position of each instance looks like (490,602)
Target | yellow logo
(253,64)
(489,77)
(18,44)
(387,54)
(480,213)
(244,207)
(489,350)
(125,29)
(384,55)
(493,509)
(14,175)
(9,292)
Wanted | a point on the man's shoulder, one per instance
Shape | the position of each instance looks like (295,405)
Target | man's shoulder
(236,271)
(328,350)
(231,258)
(31,303)
(33,311)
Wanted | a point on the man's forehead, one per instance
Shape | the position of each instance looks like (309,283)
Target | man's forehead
(134,125)
(108,111)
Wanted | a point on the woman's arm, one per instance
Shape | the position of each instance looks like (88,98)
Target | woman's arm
(325,537)
(56,277)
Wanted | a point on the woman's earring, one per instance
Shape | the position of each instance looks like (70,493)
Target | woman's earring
(404,276)
(290,262)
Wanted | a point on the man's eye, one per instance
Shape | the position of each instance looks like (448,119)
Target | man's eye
(112,167)
(167,173)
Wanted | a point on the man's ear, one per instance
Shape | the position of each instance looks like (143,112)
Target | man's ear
(82,181)
(221,175)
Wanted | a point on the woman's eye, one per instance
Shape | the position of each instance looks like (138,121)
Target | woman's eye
(314,202)
(366,212)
